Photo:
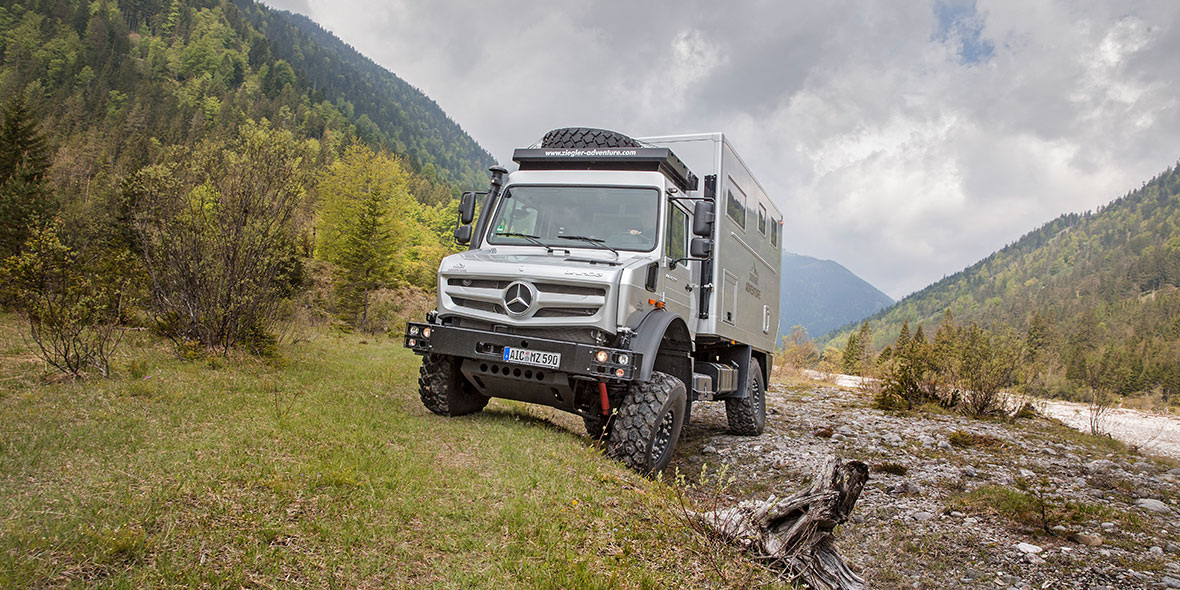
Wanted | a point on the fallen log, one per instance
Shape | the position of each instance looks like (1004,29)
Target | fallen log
(794,534)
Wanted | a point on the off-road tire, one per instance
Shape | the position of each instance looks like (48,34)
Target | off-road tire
(648,424)
(582,137)
(747,415)
(443,388)
(599,427)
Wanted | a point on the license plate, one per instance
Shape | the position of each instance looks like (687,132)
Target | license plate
(537,358)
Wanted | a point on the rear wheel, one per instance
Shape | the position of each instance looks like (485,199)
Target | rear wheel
(747,415)
(443,388)
(647,426)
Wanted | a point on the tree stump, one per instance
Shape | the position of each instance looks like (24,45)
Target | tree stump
(794,534)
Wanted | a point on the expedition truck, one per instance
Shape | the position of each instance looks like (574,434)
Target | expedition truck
(607,279)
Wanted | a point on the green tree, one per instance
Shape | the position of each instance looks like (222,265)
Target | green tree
(217,224)
(364,226)
(25,201)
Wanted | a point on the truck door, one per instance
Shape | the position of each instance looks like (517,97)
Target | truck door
(676,282)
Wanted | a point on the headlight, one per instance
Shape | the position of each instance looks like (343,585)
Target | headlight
(413,330)
(426,332)
(413,342)
(601,356)
(623,359)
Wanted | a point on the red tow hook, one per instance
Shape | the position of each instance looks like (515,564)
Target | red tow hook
(605,401)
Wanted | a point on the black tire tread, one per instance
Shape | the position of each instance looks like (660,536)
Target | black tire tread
(582,137)
(742,413)
(443,389)
(638,415)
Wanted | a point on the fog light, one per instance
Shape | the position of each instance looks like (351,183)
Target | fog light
(413,330)
(618,372)
(426,332)
(622,359)
(601,356)
(413,342)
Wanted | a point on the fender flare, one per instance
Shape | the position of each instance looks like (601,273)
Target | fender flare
(650,330)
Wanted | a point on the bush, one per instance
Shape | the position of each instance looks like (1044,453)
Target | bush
(72,306)
(217,227)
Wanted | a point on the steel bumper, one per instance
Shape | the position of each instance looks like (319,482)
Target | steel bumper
(576,358)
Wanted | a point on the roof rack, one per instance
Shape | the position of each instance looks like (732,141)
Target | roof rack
(651,159)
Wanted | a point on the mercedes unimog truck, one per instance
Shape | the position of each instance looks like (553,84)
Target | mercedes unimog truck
(615,278)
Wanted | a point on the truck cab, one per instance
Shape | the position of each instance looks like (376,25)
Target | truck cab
(589,285)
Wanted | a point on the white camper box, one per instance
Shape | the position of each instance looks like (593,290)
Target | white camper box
(744,303)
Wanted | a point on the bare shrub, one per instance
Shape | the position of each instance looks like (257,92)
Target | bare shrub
(217,227)
(72,305)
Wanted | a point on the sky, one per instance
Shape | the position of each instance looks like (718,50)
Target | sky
(903,139)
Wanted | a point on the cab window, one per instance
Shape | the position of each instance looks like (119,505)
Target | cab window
(677,232)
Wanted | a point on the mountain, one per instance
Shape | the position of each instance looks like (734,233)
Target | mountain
(1094,291)
(115,82)
(387,110)
(822,295)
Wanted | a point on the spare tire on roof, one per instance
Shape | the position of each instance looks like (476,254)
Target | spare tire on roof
(586,137)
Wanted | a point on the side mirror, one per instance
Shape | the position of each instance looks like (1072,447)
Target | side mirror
(702,219)
(700,247)
(463,234)
(467,208)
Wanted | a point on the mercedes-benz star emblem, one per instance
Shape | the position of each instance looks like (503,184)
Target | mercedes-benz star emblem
(518,298)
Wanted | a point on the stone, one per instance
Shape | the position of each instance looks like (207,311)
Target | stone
(1153,505)
(970,471)
(1028,548)
(1107,526)
(904,487)
(946,446)
(1174,471)
(922,516)
(956,514)
(1170,582)
(1026,474)
(1085,539)
(1100,465)
(1034,559)
(1157,550)
(1172,548)
(709,450)
(1059,530)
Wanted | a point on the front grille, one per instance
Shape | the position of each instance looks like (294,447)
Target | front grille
(565,312)
(479,305)
(478,283)
(571,290)
(553,299)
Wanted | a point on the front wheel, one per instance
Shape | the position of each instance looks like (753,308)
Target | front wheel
(443,388)
(747,415)
(647,427)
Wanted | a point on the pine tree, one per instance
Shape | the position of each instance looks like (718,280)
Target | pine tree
(22,147)
(850,365)
(25,202)
(364,215)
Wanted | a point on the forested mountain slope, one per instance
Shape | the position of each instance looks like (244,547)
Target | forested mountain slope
(113,83)
(1092,290)
(822,295)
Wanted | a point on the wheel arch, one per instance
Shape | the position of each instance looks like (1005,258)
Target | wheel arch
(662,337)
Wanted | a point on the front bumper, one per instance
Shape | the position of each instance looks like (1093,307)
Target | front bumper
(577,359)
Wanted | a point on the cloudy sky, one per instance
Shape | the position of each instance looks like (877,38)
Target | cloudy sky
(904,139)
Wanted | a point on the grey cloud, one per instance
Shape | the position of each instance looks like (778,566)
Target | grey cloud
(901,141)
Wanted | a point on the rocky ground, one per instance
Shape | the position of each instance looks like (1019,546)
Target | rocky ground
(957,502)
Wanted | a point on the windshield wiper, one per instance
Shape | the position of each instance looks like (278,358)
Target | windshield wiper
(534,240)
(596,241)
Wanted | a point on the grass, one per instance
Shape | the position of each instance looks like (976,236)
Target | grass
(1026,507)
(321,470)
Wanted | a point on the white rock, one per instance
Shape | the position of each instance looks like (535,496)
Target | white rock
(1027,474)
(1156,550)
(1028,548)
(924,516)
(1153,505)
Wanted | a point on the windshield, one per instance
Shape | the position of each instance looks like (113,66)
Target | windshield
(604,217)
